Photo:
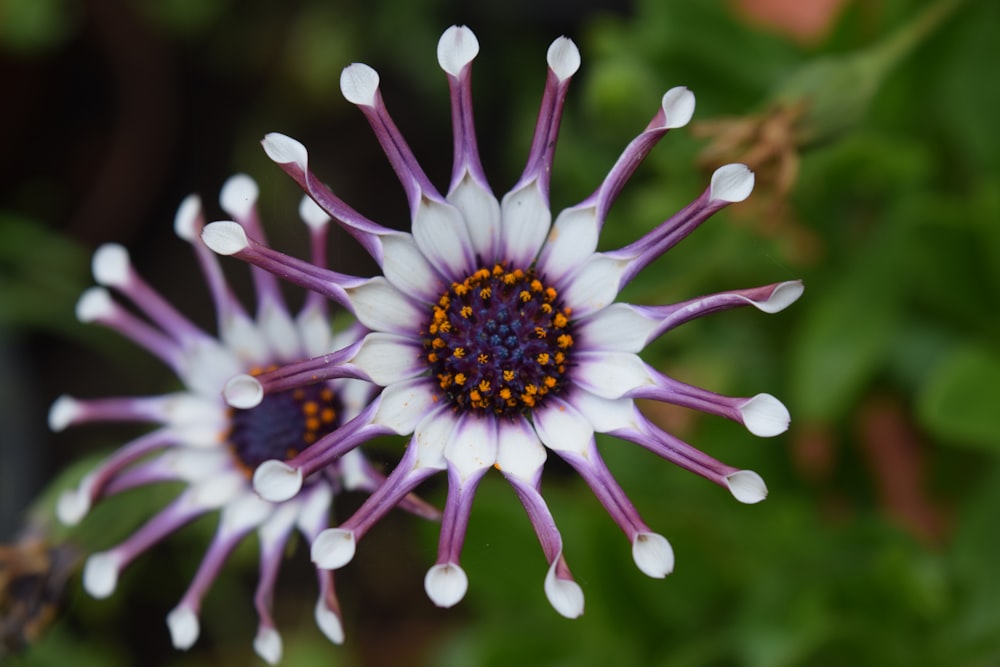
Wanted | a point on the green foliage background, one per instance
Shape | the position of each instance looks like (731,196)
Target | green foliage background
(878,544)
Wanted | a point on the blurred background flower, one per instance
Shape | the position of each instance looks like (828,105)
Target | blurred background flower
(877,544)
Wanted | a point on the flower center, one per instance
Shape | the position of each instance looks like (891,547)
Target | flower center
(282,425)
(498,342)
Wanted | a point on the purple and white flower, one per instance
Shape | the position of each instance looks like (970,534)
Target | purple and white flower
(495,332)
(208,445)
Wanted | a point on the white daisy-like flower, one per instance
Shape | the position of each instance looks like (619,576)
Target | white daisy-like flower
(495,332)
(207,444)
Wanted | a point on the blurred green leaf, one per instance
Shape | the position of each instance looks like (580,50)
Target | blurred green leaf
(845,333)
(959,401)
(41,275)
(968,99)
(32,26)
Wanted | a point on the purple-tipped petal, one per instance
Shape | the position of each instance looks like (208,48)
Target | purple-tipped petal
(446,584)
(276,481)
(333,548)
(564,594)
(456,49)
(653,555)
(746,486)
(184,627)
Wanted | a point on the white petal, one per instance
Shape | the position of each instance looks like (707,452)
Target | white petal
(403,405)
(481,210)
(618,327)
(408,270)
(782,297)
(243,392)
(572,239)
(388,358)
(333,548)
(184,627)
(216,492)
(747,486)
(472,445)
(280,331)
(62,413)
(276,481)
(186,217)
(765,416)
(595,285)
(565,595)
(241,336)
(283,149)
(238,195)
(446,584)
(610,374)
(731,183)
(73,505)
(562,428)
(100,574)
(606,415)
(563,58)
(329,623)
(381,307)
(353,471)
(225,237)
(359,84)
(94,303)
(111,265)
(314,332)
(653,555)
(524,218)
(184,408)
(456,49)
(443,237)
(245,513)
(312,214)
(432,435)
(315,510)
(201,434)
(678,106)
(520,453)
(267,644)
(194,465)
(207,366)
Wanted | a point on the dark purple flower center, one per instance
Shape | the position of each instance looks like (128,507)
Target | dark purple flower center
(498,342)
(282,425)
